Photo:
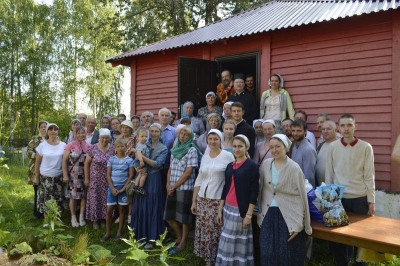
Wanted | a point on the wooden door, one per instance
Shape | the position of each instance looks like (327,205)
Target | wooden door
(196,77)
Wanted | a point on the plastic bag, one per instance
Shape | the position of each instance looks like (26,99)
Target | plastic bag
(368,255)
(332,208)
(313,203)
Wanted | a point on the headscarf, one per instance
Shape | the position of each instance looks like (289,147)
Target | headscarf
(223,113)
(286,141)
(281,80)
(183,113)
(211,93)
(79,147)
(220,135)
(71,135)
(246,141)
(104,132)
(181,149)
(269,121)
(157,125)
(256,121)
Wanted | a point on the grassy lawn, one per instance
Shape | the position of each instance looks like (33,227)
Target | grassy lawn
(18,221)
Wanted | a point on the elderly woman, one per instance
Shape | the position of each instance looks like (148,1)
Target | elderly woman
(257,125)
(206,197)
(73,170)
(276,103)
(235,211)
(48,168)
(147,211)
(211,107)
(31,151)
(213,122)
(226,114)
(228,128)
(180,182)
(115,129)
(95,170)
(135,123)
(195,123)
(262,150)
(283,215)
(126,129)
(74,124)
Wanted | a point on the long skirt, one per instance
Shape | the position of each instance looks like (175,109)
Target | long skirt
(236,243)
(49,188)
(207,231)
(147,211)
(177,207)
(274,246)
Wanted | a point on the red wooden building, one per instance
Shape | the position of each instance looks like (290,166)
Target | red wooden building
(335,57)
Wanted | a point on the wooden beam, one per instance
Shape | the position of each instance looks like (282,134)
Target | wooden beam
(395,184)
(133,87)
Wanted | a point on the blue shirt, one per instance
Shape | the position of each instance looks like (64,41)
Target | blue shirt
(119,169)
(168,136)
(305,156)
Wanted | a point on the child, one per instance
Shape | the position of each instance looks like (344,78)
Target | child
(119,173)
(141,134)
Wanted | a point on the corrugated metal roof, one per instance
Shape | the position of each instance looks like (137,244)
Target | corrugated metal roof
(273,15)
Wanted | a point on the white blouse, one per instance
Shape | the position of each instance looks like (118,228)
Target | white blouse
(211,178)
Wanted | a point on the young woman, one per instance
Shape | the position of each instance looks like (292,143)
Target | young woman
(235,211)
(206,197)
(228,127)
(73,170)
(257,125)
(283,208)
(262,150)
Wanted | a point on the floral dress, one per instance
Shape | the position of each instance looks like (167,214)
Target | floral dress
(96,205)
(76,188)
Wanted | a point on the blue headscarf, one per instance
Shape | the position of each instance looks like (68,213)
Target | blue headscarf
(184,112)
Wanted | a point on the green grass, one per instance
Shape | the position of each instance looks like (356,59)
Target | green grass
(18,220)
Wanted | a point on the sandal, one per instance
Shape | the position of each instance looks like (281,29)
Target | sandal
(104,239)
(175,251)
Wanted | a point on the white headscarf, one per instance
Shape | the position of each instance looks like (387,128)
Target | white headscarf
(104,132)
(281,82)
(223,112)
(256,121)
(286,141)
(246,141)
(269,121)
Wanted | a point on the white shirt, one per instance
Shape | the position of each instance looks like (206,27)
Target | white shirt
(311,137)
(51,164)
(212,175)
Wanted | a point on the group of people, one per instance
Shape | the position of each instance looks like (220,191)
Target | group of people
(222,167)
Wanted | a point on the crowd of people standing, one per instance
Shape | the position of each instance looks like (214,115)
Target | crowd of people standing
(237,159)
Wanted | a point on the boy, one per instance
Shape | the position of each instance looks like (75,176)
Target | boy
(119,174)
(141,134)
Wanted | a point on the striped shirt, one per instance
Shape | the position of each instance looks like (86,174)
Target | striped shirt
(119,169)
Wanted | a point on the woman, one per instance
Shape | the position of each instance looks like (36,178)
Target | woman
(213,122)
(283,215)
(115,129)
(238,200)
(106,122)
(74,124)
(228,127)
(226,114)
(180,182)
(135,123)
(48,169)
(206,197)
(73,169)
(31,152)
(257,125)
(95,170)
(276,103)
(262,150)
(147,211)
(211,107)
(195,123)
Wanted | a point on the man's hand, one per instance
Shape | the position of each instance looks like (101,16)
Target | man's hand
(371,210)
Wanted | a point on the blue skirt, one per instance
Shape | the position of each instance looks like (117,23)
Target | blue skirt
(147,211)
(274,246)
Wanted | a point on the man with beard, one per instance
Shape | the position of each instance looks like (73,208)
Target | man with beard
(287,128)
(147,118)
(303,152)
(301,115)
(250,88)
(225,88)
(249,102)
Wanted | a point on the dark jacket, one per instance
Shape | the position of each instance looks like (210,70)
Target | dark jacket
(95,138)
(246,184)
(250,106)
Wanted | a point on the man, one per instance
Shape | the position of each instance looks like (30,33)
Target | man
(237,112)
(82,117)
(92,134)
(350,163)
(168,135)
(328,129)
(303,152)
(147,119)
(225,88)
(287,128)
(121,117)
(248,100)
(250,88)
(172,119)
(321,118)
(300,114)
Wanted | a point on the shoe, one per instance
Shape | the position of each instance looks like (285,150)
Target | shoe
(46,225)
(95,225)
(129,219)
(117,237)
(82,221)
(148,245)
(104,239)
(116,220)
(175,251)
(74,222)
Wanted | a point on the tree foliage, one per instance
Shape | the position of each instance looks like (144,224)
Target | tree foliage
(52,55)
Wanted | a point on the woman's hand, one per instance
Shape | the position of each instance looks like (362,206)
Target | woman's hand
(65,179)
(140,170)
(194,208)
(292,235)
(36,181)
(87,182)
(246,222)
(219,218)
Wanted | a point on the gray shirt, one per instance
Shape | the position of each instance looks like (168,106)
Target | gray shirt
(305,156)
(321,164)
